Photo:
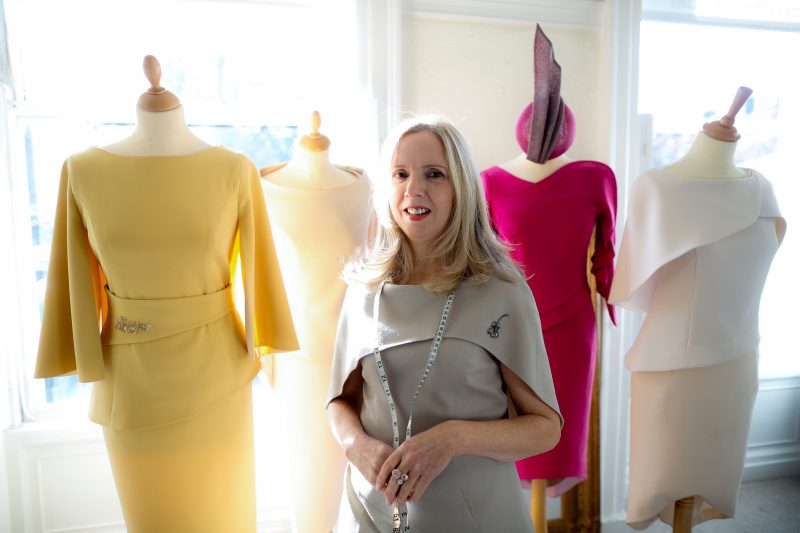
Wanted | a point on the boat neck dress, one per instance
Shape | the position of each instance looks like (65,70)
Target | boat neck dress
(139,301)
(472,494)
(549,225)
(316,233)
(695,256)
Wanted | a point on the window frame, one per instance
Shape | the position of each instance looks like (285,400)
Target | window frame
(377,46)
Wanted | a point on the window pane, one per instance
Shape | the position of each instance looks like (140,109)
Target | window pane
(748,11)
(248,74)
(689,75)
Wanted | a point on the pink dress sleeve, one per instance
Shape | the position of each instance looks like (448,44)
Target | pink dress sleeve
(603,257)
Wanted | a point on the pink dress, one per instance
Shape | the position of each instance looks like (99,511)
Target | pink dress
(549,225)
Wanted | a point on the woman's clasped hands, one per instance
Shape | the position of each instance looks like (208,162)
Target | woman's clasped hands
(408,470)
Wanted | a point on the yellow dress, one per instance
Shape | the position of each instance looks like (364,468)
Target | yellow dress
(139,301)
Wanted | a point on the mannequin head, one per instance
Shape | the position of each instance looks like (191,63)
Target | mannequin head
(566,133)
(156,98)
(722,129)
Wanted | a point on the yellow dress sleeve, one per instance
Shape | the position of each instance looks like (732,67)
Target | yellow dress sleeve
(75,301)
(268,320)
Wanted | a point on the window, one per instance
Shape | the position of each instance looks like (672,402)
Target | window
(689,74)
(248,75)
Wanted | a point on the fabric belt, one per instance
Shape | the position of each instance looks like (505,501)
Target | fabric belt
(132,321)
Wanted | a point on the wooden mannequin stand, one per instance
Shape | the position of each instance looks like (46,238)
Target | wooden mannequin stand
(539,505)
(682,520)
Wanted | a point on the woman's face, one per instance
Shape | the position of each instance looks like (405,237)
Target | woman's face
(422,193)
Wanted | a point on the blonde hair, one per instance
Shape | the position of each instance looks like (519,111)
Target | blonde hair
(468,249)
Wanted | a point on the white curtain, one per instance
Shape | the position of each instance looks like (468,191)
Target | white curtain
(9,334)
(5,61)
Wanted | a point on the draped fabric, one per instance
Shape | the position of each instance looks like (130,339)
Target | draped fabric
(681,237)
(694,257)
(6,77)
(8,402)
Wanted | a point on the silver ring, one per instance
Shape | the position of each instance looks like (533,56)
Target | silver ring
(399,477)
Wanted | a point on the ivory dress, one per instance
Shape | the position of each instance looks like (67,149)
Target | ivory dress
(139,301)
(695,255)
(549,224)
(316,232)
(472,494)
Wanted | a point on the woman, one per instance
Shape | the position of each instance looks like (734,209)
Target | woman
(422,411)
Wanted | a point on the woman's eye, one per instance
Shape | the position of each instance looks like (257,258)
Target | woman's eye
(400,174)
(436,174)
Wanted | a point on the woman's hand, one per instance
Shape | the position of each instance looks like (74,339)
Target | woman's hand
(363,452)
(368,455)
(422,457)
(536,428)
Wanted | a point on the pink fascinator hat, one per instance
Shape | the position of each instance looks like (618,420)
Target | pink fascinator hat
(546,127)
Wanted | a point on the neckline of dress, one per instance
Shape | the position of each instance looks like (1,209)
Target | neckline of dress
(418,285)
(547,179)
(359,180)
(751,175)
(165,156)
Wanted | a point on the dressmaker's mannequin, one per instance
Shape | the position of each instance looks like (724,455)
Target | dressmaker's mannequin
(698,243)
(524,168)
(710,157)
(711,154)
(310,166)
(549,222)
(147,238)
(527,170)
(319,214)
(160,124)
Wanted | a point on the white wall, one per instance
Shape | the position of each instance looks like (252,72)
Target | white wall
(479,73)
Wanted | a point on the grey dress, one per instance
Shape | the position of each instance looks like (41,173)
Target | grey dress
(472,494)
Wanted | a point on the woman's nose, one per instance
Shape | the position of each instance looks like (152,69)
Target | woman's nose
(415,187)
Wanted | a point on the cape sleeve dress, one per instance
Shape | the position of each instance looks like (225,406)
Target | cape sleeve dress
(549,225)
(695,256)
(472,494)
(139,301)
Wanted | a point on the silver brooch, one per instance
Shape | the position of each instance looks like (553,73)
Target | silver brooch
(131,326)
(494,329)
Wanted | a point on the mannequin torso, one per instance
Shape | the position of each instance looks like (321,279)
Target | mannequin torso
(707,235)
(310,167)
(308,170)
(527,170)
(159,133)
(708,158)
